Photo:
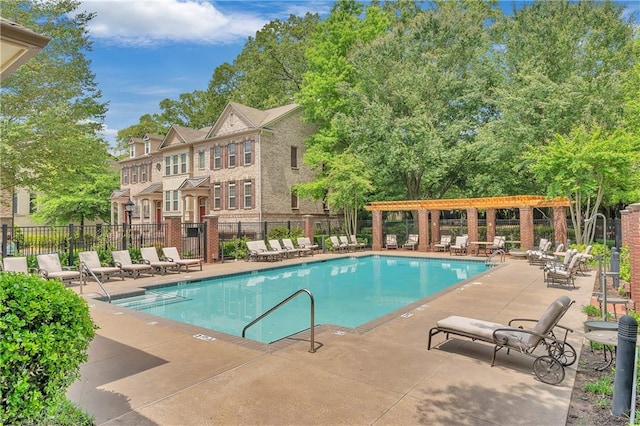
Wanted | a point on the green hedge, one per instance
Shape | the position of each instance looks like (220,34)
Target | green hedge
(45,330)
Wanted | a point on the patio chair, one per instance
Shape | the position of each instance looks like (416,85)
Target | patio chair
(549,367)
(150,257)
(16,264)
(536,256)
(305,242)
(50,268)
(171,254)
(391,241)
(555,256)
(460,245)
(563,275)
(277,248)
(290,248)
(92,266)
(122,259)
(497,244)
(258,251)
(337,245)
(443,245)
(412,242)
(357,244)
(345,240)
(585,257)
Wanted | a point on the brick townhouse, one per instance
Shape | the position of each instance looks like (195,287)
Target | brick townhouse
(242,168)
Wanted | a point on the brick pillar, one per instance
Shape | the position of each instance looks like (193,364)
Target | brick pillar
(624,227)
(491,224)
(472,223)
(560,224)
(526,227)
(376,231)
(173,232)
(633,232)
(435,228)
(307,221)
(423,230)
(213,239)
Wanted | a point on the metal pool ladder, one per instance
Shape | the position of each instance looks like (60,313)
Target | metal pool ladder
(313,309)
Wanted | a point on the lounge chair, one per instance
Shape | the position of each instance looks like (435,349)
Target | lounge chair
(585,257)
(497,244)
(92,266)
(290,248)
(412,242)
(16,264)
(564,275)
(549,367)
(460,246)
(276,247)
(122,259)
(357,244)
(535,256)
(305,242)
(337,245)
(50,268)
(150,257)
(555,256)
(171,254)
(391,241)
(258,251)
(444,244)
(344,240)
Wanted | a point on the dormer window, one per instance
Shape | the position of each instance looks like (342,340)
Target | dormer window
(132,151)
(147,147)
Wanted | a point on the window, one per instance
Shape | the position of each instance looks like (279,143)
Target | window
(145,209)
(247,152)
(147,147)
(201,160)
(132,151)
(134,174)
(175,200)
(294,157)
(143,172)
(217,192)
(248,196)
(217,160)
(175,164)
(125,175)
(294,201)
(183,163)
(232,195)
(167,201)
(167,166)
(232,154)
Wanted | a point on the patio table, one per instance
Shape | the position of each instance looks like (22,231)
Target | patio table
(477,245)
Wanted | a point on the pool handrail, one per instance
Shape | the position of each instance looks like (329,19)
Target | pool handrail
(311,328)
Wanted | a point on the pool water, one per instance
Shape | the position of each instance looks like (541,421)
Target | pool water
(348,292)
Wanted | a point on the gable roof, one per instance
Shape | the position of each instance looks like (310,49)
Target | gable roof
(254,118)
(184,135)
(198,182)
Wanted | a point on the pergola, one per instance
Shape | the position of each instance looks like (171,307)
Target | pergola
(430,209)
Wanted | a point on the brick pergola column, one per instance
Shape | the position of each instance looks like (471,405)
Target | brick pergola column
(173,232)
(560,224)
(526,227)
(307,223)
(472,223)
(213,239)
(633,232)
(491,224)
(624,227)
(376,230)
(435,228)
(423,230)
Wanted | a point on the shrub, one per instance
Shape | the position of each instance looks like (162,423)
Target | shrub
(46,330)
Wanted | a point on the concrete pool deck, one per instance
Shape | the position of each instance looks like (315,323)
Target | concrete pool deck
(146,370)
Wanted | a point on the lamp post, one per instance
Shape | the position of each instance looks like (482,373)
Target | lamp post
(602,262)
(129,208)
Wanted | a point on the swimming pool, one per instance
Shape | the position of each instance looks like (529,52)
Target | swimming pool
(348,292)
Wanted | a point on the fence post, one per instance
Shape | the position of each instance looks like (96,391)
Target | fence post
(264,230)
(239,231)
(4,240)
(124,236)
(71,244)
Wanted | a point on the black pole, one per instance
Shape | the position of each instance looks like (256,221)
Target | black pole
(625,360)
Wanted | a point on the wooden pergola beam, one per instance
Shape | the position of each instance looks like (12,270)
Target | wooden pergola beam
(466,203)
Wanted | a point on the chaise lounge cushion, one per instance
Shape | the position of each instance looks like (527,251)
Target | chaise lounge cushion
(484,330)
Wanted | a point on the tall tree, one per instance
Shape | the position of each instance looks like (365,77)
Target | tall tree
(51,107)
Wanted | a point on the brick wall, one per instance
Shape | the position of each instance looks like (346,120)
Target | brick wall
(631,239)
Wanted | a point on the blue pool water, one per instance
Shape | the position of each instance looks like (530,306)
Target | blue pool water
(348,292)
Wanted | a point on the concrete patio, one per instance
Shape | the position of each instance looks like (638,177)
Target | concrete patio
(144,370)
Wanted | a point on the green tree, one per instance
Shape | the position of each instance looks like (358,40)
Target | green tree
(51,107)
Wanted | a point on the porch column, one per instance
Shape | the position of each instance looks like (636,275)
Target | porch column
(435,228)
(633,231)
(173,232)
(526,227)
(472,223)
(423,230)
(560,225)
(307,223)
(376,230)
(491,224)
(213,239)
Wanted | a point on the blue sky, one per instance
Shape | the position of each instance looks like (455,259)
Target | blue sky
(145,51)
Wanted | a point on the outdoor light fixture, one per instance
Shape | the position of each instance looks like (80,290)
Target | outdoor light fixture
(129,208)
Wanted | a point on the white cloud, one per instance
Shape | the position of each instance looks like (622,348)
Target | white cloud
(153,22)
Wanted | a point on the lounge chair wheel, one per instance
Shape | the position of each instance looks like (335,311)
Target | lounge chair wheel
(548,370)
(563,353)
